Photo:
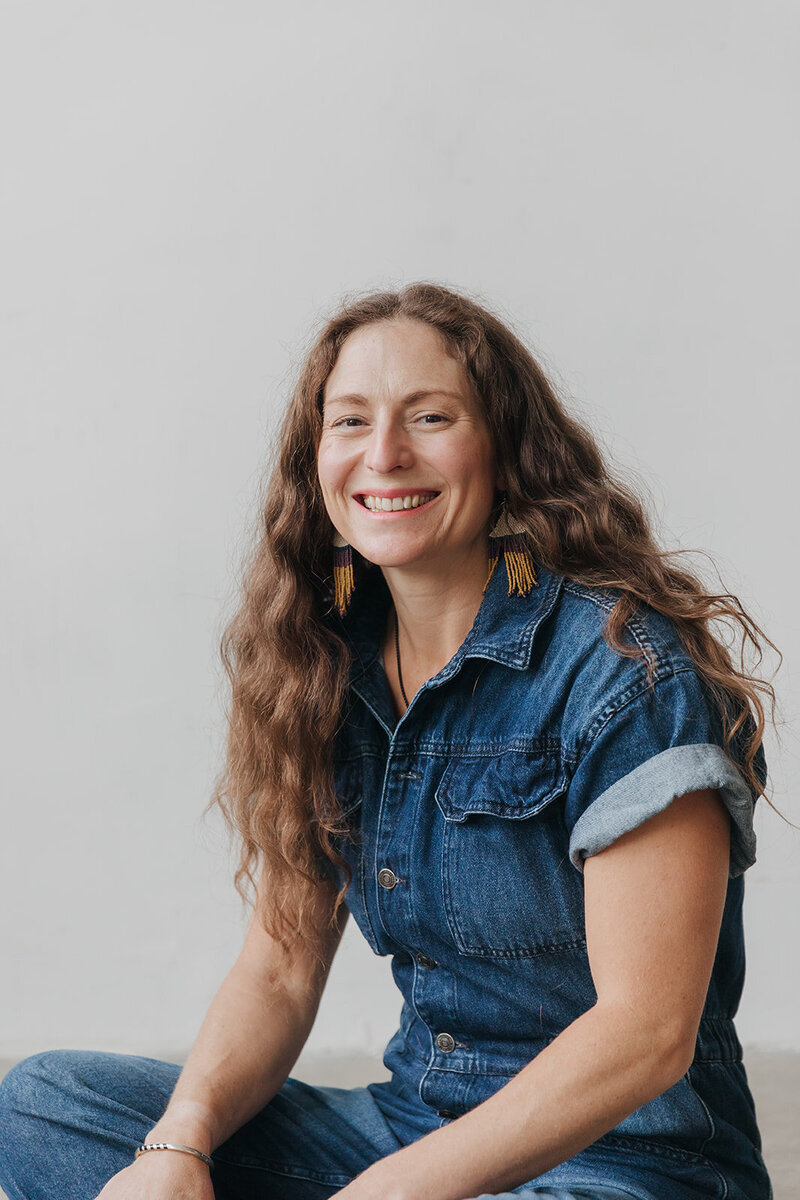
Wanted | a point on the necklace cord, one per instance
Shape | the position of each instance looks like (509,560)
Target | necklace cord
(397,653)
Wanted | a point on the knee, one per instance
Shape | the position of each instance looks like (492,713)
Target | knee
(28,1094)
(31,1086)
(63,1110)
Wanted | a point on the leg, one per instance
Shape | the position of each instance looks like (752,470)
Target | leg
(309,1142)
(533,1193)
(69,1121)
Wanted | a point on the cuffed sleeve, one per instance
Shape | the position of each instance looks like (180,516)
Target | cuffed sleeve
(665,742)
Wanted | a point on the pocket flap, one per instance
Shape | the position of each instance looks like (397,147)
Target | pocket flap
(513,784)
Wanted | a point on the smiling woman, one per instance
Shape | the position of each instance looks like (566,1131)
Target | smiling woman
(477,707)
(398,409)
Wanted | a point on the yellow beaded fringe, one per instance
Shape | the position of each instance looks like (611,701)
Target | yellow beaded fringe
(519,568)
(343,585)
(521,575)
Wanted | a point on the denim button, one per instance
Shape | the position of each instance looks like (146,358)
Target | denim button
(424,961)
(387,878)
(445,1042)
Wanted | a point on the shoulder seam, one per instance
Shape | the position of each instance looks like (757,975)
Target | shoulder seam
(622,700)
(666,653)
(601,599)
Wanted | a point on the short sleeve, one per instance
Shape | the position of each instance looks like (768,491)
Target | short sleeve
(663,743)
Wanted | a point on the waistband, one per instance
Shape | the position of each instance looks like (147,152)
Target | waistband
(717,1041)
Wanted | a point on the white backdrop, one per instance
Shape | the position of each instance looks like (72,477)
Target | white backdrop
(187,186)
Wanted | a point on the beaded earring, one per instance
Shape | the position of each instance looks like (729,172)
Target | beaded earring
(505,539)
(343,578)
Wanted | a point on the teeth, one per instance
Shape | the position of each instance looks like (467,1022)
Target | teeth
(396,503)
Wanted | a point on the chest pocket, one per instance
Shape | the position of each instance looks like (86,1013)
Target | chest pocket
(508,887)
(349,784)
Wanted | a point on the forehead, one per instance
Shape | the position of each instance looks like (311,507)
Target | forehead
(393,356)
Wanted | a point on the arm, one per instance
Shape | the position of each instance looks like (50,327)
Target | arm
(251,1037)
(654,901)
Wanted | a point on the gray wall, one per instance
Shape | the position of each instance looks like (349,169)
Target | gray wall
(186,188)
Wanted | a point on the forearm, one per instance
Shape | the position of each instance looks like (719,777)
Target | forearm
(584,1083)
(248,1043)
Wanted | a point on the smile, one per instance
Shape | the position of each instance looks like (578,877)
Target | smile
(387,504)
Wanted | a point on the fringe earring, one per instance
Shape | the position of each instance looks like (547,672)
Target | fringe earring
(505,539)
(343,579)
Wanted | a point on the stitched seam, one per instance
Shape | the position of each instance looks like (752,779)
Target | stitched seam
(255,1164)
(521,951)
(633,625)
(616,705)
(630,1141)
(711,1126)
(577,1182)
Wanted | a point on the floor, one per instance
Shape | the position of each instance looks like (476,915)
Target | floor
(774,1080)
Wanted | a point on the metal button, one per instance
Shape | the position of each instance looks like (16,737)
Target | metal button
(445,1112)
(408,775)
(424,961)
(445,1042)
(387,878)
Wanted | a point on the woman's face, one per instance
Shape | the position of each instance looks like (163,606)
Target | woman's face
(405,460)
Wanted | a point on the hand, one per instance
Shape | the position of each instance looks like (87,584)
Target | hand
(161,1175)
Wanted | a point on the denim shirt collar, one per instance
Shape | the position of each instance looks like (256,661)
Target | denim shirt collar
(504,628)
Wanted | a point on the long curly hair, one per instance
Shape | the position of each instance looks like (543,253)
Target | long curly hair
(288,668)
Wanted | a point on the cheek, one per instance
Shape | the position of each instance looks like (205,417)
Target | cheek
(332,467)
(477,471)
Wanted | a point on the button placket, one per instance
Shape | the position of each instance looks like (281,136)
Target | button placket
(394,914)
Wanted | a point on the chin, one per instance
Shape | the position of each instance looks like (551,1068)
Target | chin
(384,558)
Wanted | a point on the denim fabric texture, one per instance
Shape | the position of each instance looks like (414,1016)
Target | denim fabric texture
(70,1119)
(536,746)
(470,818)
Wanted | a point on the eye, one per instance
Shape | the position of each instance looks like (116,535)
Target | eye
(342,422)
(434,417)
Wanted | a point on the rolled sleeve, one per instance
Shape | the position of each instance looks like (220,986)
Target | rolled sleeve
(662,744)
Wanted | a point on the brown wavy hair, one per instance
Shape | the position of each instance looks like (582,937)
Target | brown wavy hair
(288,667)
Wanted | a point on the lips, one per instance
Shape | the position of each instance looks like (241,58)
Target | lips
(396,500)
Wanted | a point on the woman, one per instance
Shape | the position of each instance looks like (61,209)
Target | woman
(472,699)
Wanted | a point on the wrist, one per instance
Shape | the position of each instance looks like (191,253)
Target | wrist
(169,1165)
(382,1179)
(188,1124)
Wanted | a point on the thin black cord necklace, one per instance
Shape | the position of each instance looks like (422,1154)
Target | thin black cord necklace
(397,652)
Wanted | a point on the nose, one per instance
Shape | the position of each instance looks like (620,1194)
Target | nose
(388,447)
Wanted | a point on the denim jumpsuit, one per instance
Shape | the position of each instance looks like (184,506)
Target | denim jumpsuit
(536,746)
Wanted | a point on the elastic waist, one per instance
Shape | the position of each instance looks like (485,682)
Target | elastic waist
(717,1041)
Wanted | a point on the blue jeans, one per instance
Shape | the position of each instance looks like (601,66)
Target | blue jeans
(70,1119)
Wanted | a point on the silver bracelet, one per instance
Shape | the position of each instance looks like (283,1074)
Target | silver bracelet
(171,1146)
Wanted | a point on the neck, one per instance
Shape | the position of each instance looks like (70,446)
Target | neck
(436,609)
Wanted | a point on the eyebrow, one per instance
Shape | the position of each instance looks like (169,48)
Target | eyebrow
(361,401)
